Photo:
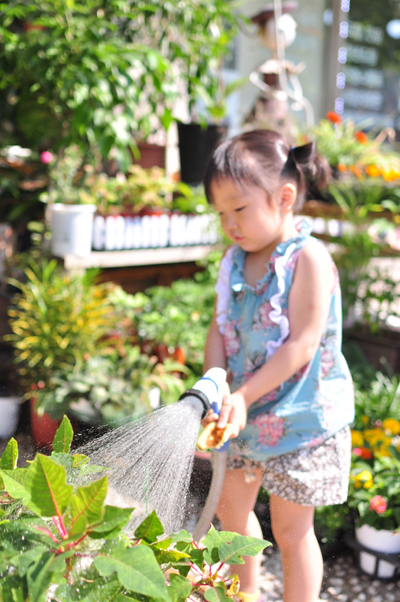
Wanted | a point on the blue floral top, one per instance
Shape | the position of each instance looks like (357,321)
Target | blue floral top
(314,403)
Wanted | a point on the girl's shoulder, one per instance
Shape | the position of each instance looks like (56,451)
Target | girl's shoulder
(315,261)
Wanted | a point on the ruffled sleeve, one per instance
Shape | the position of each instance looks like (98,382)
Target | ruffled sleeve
(223,288)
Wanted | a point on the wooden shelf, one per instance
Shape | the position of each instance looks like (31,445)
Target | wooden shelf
(137,257)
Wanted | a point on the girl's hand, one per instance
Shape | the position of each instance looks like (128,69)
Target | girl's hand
(212,416)
(234,411)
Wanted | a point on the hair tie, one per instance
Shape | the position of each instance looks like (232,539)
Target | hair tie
(304,154)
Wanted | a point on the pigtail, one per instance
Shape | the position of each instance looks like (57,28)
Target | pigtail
(313,171)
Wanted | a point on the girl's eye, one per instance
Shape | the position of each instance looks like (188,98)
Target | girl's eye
(240,209)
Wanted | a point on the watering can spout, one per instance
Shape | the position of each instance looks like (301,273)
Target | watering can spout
(208,390)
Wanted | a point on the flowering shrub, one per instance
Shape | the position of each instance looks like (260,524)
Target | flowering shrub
(354,152)
(374,490)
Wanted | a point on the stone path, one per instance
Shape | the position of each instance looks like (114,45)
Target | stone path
(342,582)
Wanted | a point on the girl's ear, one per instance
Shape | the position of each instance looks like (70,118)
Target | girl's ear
(288,195)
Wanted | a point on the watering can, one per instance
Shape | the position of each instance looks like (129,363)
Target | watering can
(207,394)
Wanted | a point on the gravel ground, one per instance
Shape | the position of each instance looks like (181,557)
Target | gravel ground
(343,581)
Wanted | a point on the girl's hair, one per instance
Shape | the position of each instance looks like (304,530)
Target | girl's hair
(264,159)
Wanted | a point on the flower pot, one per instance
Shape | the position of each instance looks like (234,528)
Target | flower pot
(195,147)
(9,414)
(72,228)
(381,540)
(43,427)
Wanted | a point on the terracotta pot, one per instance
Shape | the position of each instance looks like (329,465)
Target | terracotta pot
(43,428)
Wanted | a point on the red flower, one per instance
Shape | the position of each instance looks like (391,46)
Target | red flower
(361,137)
(334,117)
(363,452)
(46,157)
(379,504)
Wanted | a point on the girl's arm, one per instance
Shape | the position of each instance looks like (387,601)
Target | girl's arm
(214,351)
(309,302)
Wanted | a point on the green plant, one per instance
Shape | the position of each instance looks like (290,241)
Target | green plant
(86,72)
(60,540)
(331,521)
(176,316)
(109,390)
(67,177)
(374,492)
(57,320)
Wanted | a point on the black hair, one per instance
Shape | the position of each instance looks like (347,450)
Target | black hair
(264,159)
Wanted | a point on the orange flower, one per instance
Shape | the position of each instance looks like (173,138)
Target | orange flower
(356,171)
(342,167)
(361,137)
(334,117)
(373,171)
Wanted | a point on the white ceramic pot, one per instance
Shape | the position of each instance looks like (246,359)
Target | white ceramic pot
(72,229)
(9,414)
(378,541)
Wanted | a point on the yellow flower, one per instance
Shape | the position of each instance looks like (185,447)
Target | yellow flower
(374,436)
(392,425)
(357,440)
(365,479)
(365,419)
(383,451)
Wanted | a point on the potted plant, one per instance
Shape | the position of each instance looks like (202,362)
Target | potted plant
(165,321)
(59,537)
(375,495)
(374,490)
(71,216)
(57,320)
(111,390)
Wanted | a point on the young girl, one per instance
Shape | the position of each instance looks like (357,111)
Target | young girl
(277,328)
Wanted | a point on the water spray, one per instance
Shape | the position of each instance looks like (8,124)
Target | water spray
(150,459)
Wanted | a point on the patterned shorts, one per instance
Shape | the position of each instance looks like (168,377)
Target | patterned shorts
(312,476)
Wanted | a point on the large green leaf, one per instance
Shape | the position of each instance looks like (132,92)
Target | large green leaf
(47,487)
(14,482)
(63,437)
(240,546)
(9,458)
(150,528)
(48,569)
(89,501)
(212,540)
(114,518)
(180,588)
(137,570)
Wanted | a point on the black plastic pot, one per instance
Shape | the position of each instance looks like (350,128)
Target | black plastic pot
(195,147)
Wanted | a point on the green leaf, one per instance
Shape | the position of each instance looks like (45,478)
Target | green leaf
(9,458)
(14,482)
(137,570)
(47,487)
(89,502)
(63,437)
(183,536)
(150,528)
(241,546)
(171,557)
(46,570)
(212,540)
(114,518)
(180,588)
(217,594)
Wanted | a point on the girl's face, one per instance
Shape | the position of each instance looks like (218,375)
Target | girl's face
(249,218)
